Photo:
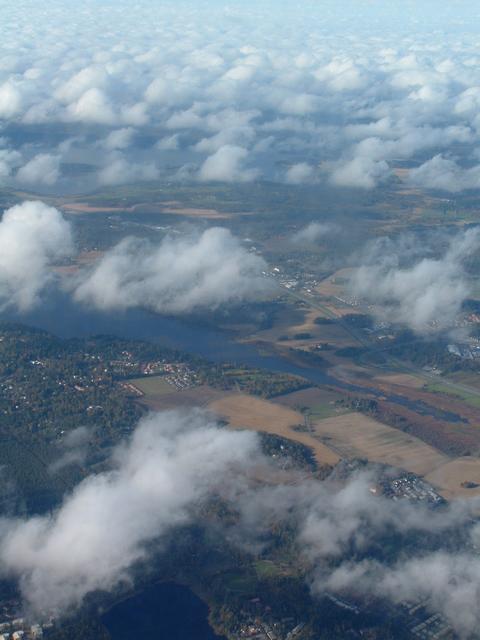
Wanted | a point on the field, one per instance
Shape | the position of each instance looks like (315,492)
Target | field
(335,285)
(160,399)
(403,379)
(242,411)
(153,385)
(356,435)
(450,477)
(171,208)
(469,398)
(314,402)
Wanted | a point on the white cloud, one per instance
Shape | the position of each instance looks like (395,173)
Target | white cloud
(175,276)
(44,169)
(227,165)
(333,82)
(33,237)
(8,161)
(314,232)
(172,462)
(92,107)
(425,296)
(10,101)
(361,172)
(444,174)
(118,170)
(120,138)
(300,173)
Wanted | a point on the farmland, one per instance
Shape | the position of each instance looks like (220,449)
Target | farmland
(357,436)
(244,412)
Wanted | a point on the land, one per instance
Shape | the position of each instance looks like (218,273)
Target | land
(388,400)
(244,412)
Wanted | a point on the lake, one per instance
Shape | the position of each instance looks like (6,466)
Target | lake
(164,611)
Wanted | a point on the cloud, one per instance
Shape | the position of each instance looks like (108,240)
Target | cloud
(341,526)
(93,107)
(175,276)
(360,172)
(300,173)
(33,237)
(226,165)
(314,232)
(118,170)
(426,296)
(75,449)
(8,161)
(446,584)
(43,169)
(173,461)
(320,85)
(10,101)
(444,174)
(120,138)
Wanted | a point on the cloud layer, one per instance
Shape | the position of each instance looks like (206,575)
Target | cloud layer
(296,94)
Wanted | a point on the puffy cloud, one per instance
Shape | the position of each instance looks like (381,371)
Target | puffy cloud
(10,100)
(8,161)
(159,479)
(175,276)
(172,462)
(94,107)
(300,173)
(361,172)
(120,138)
(445,174)
(227,165)
(446,583)
(33,237)
(341,526)
(75,449)
(316,83)
(314,232)
(43,169)
(118,170)
(426,296)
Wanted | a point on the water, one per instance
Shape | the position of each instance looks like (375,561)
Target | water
(62,317)
(164,611)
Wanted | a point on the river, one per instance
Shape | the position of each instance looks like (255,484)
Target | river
(61,316)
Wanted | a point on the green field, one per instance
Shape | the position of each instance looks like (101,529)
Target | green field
(469,398)
(326,410)
(153,385)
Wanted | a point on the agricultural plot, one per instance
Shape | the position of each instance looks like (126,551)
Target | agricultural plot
(246,412)
(152,385)
(458,478)
(357,436)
